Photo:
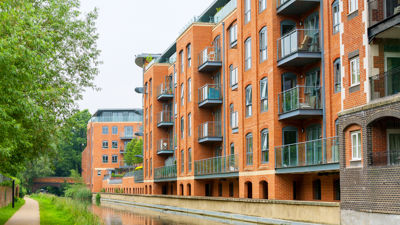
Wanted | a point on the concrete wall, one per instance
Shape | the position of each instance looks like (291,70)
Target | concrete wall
(313,212)
(350,217)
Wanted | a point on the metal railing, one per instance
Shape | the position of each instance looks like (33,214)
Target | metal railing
(385,84)
(210,54)
(138,176)
(129,174)
(165,172)
(165,144)
(299,97)
(216,165)
(315,152)
(379,10)
(115,181)
(164,117)
(225,11)
(384,158)
(106,177)
(164,88)
(124,134)
(210,129)
(279,3)
(298,40)
(210,92)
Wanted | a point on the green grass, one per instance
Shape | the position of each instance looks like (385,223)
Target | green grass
(7,212)
(64,211)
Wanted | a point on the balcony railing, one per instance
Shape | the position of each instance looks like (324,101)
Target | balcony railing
(165,172)
(210,94)
(385,158)
(299,41)
(115,181)
(300,98)
(216,165)
(310,153)
(129,174)
(126,135)
(210,59)
(210,131)
(379,10)
(164,118)
(385,84)
(138,176)
(225,11)
(164,90)
(165,146)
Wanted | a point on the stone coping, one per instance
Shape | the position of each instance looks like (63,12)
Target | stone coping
(372,104)
(250,200)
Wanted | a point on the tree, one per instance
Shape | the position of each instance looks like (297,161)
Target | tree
(134,149)
(48,56)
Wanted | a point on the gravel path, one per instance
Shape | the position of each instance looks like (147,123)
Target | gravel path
(28,214)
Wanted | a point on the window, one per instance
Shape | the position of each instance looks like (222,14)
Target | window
(128,131)
(189,55)
(175,77)
(114,158)
(355,71)
(189,86)
(356,145)
(249,149)
(264,94)
(189,125)
(336,16)
(190,160)
(146,168)
(151,140)
(262,5)
(151,113)
(175,109)
(98,172)
(338,78)
(232,148)
(264,146)
(233,74)
(114,144)
(114,130)
(247,11)
(233,35)
(181,60)
(263,44)
(105,158)
(247,52)
(151,166)
(150,88)
(234,118)
(353,6)
(182,161)
(105,130)
(248,101)
(182,94)
(182,127)
(105,144)
(145,89)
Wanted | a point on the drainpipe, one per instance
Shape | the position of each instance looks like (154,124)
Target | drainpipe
(223,85)
(321,7)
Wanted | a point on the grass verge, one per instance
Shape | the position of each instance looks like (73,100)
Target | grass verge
(64,211)
(7,212)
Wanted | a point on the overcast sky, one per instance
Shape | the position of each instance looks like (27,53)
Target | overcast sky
(127,28)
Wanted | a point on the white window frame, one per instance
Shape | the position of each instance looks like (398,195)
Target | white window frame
(233,73)
(105,159)
(264,94)
(265,145)
(112,144)
(247,54)
(182,94)
(233,35)
(114,128)
(189,55)
(337,79)
(335,17)
(353,6)
(182,56)
(114,157)
(189,124)
(249,149)
(262,5)
(189,86)
(104,144)
(263,44)
(247,11)
(355,70)
(104,130)
(190,160)
(98,172)
(356,147)
(248,101)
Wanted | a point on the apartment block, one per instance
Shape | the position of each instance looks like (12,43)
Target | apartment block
(286,99)
(108,132)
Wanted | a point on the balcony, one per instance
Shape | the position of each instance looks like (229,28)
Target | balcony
(217,167)
(164,92)
(385,84)
(165,119)
(384,18)
(126,135)
(165,147)
(138,176)
(299,47)
(210,132)
(295,7)
(210,59)
(225,11)
(210,95)
(310,156)
(165,173)
(300,102)
(140,132)
(384,159)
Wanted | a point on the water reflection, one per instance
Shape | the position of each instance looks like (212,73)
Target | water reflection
(120,214)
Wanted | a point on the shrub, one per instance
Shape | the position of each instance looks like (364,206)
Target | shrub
(103,190)
(98,198)
(79,192)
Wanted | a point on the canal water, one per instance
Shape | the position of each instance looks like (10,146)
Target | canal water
(121,214)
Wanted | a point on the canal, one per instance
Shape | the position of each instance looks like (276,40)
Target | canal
(121,214)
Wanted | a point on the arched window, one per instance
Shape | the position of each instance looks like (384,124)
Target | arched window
(247,54)
(337,79)
(248,101)
(263,44)
(264,94)
(249,149)
(264,146)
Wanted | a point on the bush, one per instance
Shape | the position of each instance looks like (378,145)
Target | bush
(79,192)
(98,198)
(103,190)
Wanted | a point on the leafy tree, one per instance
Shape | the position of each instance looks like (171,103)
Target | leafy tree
(134,149)
(39,167)
(48,56)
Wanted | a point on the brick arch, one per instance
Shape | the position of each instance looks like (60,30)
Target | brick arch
(349,123)
(385,113)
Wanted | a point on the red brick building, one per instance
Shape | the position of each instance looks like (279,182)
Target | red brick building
(108,132)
